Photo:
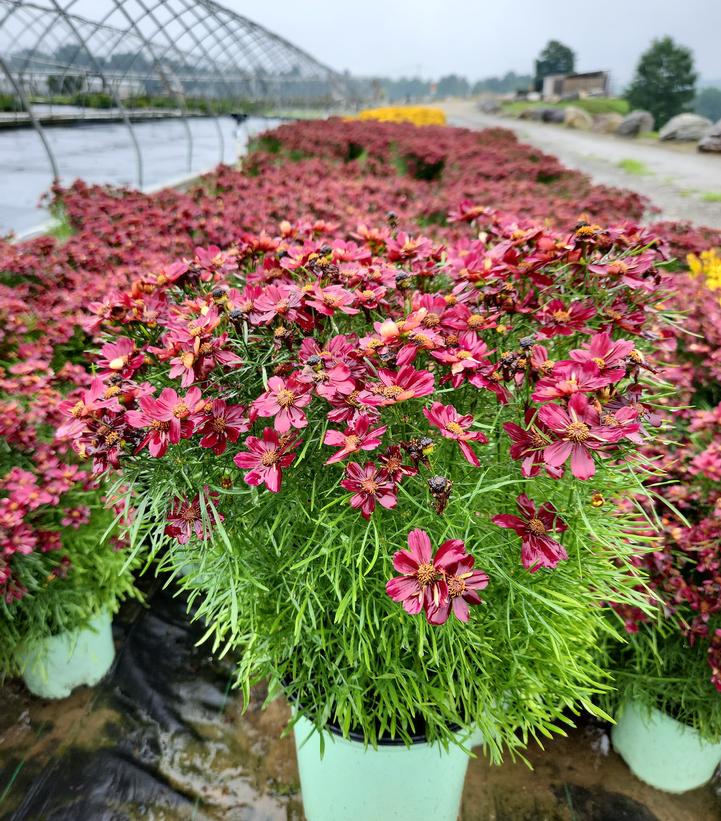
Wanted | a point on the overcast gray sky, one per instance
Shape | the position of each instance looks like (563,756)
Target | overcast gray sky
(479,38)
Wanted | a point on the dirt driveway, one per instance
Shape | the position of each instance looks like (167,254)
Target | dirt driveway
(682,183)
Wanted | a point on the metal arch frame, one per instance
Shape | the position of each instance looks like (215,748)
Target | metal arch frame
(199,44)
(36,123)
(119,5)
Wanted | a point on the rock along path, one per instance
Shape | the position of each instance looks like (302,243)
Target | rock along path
(675,177)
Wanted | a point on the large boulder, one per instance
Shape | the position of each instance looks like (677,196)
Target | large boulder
(607,123)
(553,115)
(635,122)
(686,128)
(490,106)
(712,141)
(533,114)
(577,118)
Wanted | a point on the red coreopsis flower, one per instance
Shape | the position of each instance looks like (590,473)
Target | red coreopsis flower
(120,357)
(403,247)
(398,386)
(198,362)
(423,580)
(538,549)
(558,319)
(392,464)
(330,299)
(91,400)
(528,444)
(454,426)
(470,355)
(607,354)
(186,519)
(266,458)
(276,300)
(581,433)
(369,485)
(358,436)
(219,423)
(633,272)
(284,401)
(75,517)
(625,316)
(328,382)
(567,378)
(168,418)
(462,584)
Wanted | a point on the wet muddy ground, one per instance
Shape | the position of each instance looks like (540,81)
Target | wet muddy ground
(163,737)
(681,183)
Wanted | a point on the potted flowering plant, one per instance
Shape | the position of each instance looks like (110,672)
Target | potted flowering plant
(392,466)
(669,672)
(62,573)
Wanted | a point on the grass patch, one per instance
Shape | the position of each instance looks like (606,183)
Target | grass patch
(62,229)
(711,196)
(592,105)
(635,167)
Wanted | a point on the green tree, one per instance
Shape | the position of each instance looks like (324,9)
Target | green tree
(452,86)
(554,59)
(664,82)
(708,103)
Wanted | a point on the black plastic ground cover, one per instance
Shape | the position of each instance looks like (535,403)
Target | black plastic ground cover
(163,737)
(158,738)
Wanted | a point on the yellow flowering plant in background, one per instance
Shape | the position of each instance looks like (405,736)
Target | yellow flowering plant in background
(416,114)
(707,265)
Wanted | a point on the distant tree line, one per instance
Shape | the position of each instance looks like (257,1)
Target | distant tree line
(450,85)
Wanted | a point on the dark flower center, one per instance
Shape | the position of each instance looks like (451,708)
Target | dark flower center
(426,574)
(270,457)
(392,391)
(536,527)
(456,586)
(285,398)
(218,424)
(369,486)
(578,432)
(188,514)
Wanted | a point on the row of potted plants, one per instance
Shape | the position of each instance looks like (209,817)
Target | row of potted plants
(386,465)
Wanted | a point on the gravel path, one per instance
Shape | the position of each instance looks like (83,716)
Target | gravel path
(675,177)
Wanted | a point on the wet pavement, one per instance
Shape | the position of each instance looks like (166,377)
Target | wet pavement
(105,154)
(680,182)
(163,737)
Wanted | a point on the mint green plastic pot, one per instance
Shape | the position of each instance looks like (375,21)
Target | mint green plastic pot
(352,782)
(53,667)
(663,752)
